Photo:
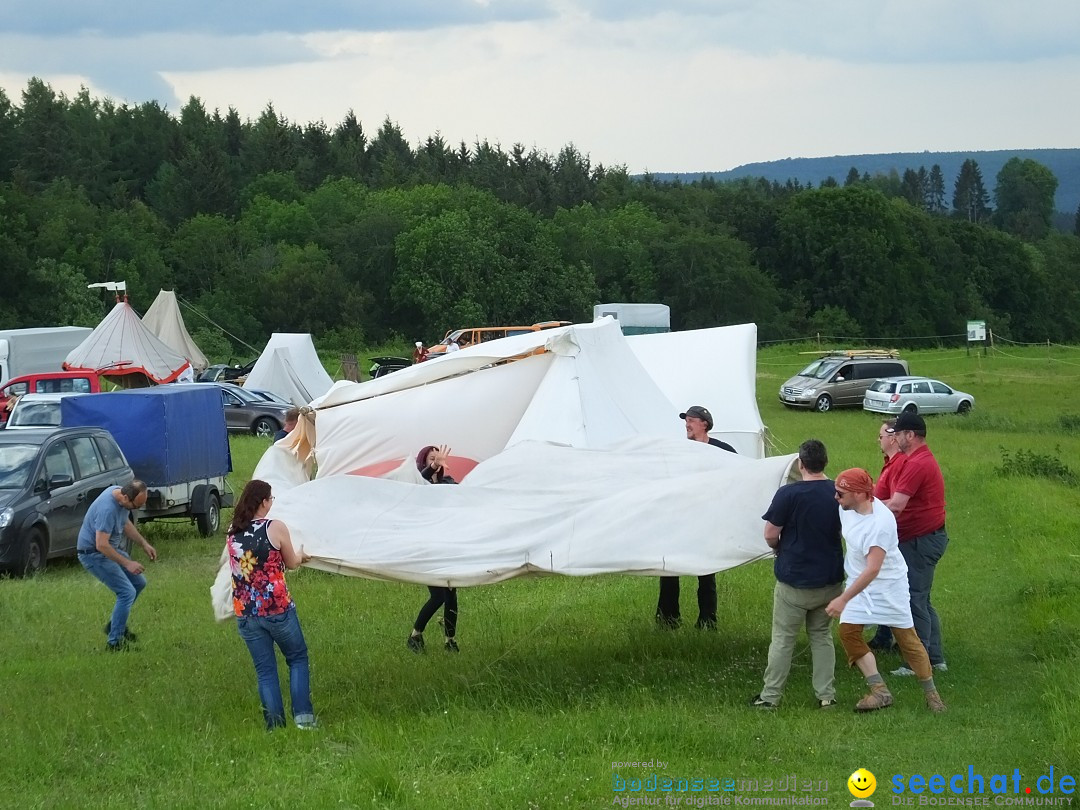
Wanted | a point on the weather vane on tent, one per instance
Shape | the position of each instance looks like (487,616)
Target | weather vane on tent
(116,286)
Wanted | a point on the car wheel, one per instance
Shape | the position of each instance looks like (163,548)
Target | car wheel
(210,521)
(963,407)
(34,557)
(823,404)
(911,408)
(265,426)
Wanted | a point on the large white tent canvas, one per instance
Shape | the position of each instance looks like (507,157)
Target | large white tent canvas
(581,386)
(290,368)
(643,506)
(711,367)
(584,468)
(121,347)
(164,320)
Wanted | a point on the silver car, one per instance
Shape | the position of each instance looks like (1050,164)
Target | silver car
(893,395)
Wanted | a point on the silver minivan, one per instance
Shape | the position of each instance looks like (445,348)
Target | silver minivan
(840,379)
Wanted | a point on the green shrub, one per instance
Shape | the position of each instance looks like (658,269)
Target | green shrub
(1069,422)
(1037,465)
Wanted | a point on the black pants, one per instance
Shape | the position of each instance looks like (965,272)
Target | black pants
(446,598)
(667,608)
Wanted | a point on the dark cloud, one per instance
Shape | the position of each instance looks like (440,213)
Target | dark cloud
(124,18)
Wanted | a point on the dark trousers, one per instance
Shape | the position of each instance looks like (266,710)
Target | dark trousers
(446,598)
(667,607)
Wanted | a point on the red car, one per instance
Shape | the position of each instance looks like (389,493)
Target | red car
(46,382)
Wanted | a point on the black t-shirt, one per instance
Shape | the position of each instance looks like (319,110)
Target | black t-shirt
(722,445)
(811,554)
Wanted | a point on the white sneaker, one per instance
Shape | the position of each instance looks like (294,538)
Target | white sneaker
(942,667)
(902,671)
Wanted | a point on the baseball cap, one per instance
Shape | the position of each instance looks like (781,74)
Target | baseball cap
(909,421)
(701,413)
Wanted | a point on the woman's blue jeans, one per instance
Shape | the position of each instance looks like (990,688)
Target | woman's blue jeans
(260,633)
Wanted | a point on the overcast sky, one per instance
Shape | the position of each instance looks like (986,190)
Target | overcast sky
(681,85)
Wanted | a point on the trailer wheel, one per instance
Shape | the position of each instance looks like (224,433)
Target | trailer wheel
(210,521)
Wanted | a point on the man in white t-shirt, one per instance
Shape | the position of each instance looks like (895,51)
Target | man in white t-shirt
(876,592)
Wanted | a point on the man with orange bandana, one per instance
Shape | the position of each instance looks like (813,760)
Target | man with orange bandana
(876,592)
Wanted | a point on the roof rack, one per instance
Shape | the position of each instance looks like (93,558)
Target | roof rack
(891,354)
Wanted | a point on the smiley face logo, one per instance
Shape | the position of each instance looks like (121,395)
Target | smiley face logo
(862,784)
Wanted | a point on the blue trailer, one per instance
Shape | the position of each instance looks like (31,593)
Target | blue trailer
(175,440)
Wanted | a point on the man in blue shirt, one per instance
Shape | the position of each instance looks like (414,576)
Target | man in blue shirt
(107,522)
(802,527)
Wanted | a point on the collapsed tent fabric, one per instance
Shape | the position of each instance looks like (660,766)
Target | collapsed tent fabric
(583,389)
(123,349)
(711,367)
(643,506)
(164,320)
(290,368)
(580,385)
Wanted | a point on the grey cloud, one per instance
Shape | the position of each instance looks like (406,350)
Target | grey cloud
(878,31)
(130,69)
(123,18)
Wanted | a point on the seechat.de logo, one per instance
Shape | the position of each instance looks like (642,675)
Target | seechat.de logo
(862,785)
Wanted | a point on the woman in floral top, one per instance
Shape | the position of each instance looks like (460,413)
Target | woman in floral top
(259,552)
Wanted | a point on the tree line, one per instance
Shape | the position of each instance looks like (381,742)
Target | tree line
(268,225)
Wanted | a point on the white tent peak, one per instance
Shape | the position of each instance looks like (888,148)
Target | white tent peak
(290,367)
(164,320)
(123,348)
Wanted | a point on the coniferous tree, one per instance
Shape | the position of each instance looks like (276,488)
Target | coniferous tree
(936,195)
(852,177)
(970,199)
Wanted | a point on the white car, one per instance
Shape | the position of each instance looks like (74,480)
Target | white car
(37,411)
(894,395)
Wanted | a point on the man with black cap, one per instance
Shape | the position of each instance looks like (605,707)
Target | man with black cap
(698,424)
(918,502)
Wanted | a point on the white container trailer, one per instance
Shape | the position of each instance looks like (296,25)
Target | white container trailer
(29,351)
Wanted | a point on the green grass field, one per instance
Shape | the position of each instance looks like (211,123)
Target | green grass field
(560,678)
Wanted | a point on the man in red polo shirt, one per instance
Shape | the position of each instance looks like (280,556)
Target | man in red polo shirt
(918,501)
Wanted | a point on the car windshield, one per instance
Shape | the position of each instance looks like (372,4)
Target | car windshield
(819,369)
(16,463)
(35,414)
(243,394)
(883,387)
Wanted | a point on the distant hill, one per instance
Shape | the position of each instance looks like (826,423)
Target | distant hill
(1064,163)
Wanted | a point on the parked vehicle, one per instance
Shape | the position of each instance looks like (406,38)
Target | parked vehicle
(269,396)
(246,412)
(381,366)
(36,411)
(894,395)
(175,440)
(27,351)
(482,334)
(839,379)
(48,479)
(46,382)
(223,372)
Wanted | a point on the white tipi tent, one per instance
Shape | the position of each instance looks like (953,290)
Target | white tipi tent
(164,320)
(290,368)
(122,348)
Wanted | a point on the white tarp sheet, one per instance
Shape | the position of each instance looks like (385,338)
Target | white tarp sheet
(290,368)
(164,320)
(716,368)
(644,506)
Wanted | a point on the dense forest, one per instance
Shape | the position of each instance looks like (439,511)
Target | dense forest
(359,237)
